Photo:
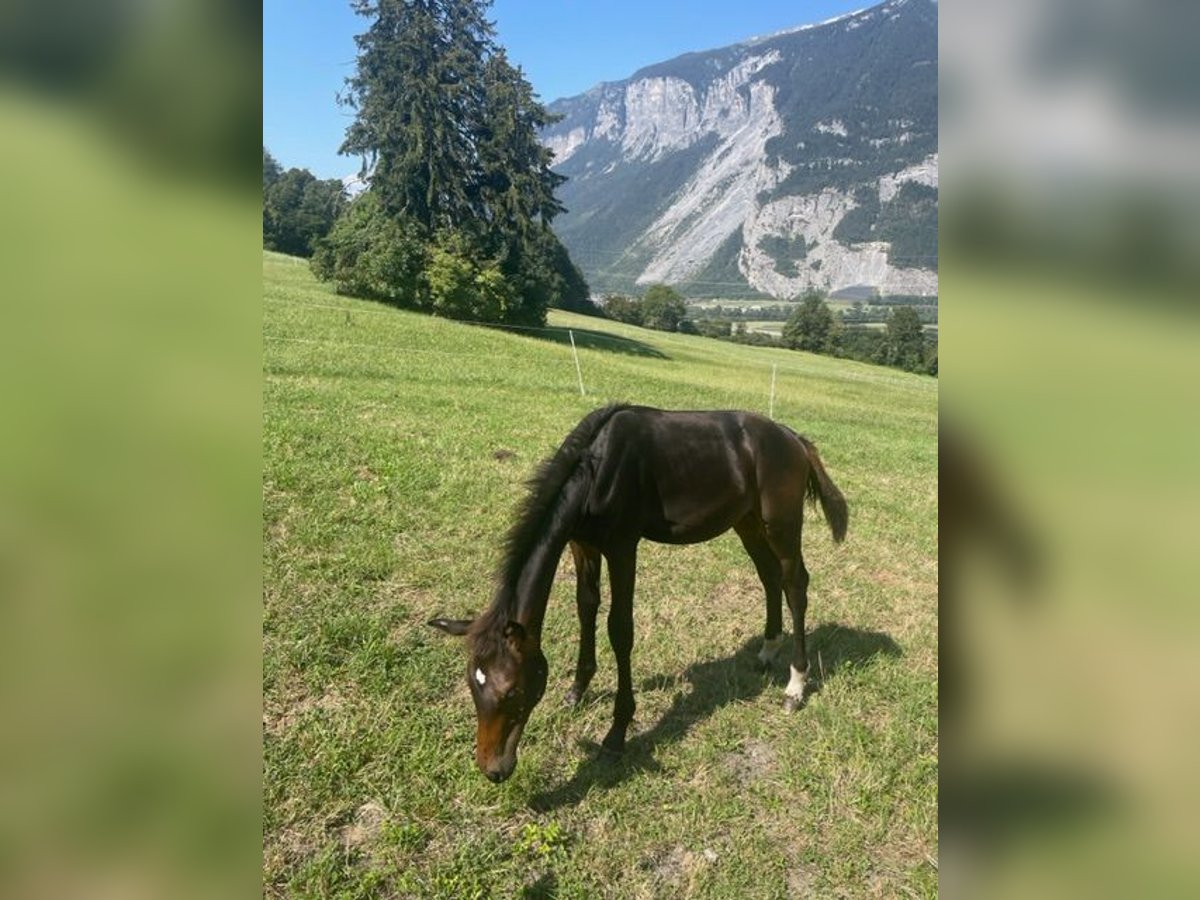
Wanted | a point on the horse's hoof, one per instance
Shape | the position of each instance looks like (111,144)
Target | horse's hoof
(791,704)
(612,747)
(572,697)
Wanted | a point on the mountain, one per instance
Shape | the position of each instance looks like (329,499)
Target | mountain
(805,158)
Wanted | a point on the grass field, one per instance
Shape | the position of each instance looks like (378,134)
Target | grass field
(395,449)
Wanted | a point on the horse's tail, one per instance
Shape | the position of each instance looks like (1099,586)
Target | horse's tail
(821,487)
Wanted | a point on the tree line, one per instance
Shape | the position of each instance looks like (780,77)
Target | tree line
(298,208)
(815,328)
(812,327)
(858,314)
(902,342)
(661,308)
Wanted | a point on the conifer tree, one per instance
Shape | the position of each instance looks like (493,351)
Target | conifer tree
(517,183)
(418,96)
(448,132)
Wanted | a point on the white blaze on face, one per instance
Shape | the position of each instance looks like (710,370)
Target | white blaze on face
(480,677)
(795,686)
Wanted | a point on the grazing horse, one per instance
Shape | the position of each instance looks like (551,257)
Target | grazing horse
(626,473)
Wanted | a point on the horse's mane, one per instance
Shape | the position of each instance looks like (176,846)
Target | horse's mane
(540,510)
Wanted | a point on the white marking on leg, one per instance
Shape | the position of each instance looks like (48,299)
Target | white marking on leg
(795,687)
(480,677)
(770,649)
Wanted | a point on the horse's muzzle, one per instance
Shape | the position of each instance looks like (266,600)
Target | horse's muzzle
(497,770)
(498,763)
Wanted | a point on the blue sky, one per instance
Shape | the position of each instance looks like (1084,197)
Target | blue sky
(564,46)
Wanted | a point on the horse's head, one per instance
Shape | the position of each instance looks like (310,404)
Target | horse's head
(506,672)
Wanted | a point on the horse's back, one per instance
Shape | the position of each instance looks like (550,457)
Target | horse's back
(687,476)
(735,439)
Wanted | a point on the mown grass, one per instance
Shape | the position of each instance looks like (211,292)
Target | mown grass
(395,449)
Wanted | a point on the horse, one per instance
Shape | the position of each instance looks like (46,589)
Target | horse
(625,473)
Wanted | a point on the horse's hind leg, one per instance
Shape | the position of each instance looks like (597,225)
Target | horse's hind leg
(587,603)
(784,537)
(795,585)
(770,573)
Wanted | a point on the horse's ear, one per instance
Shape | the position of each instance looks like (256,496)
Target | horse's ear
(514,633)
(451,626)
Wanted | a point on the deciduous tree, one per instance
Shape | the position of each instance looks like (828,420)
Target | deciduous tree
(298,208)
(663,308)
(811,326)
(905,341)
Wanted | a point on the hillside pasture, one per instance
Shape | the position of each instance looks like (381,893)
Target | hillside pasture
(396,447)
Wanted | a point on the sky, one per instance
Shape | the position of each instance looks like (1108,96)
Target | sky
(564,46)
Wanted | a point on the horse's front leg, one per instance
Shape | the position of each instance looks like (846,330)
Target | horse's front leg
(587,603)
(622,567)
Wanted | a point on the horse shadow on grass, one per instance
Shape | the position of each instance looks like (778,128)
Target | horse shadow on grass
(715,683)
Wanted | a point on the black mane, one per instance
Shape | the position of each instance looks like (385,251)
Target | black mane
(535,517)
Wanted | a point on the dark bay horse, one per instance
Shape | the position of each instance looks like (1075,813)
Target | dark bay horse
(626,473)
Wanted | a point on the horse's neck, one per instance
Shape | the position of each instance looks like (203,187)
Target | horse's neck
(533,587)
(537,572)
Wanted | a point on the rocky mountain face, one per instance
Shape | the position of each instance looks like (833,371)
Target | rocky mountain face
(804,159)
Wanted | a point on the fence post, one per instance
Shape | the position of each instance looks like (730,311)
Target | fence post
(771,414)
(578,370)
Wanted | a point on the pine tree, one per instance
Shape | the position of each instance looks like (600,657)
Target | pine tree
(516,191)
(418,96)
(518,186)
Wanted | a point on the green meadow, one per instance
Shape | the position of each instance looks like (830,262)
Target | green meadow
(396,447)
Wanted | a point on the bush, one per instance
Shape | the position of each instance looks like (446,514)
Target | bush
(864,344)
(368,254)
(715,328)
(463,287)
(458,274)
(541,275)
(623,309)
